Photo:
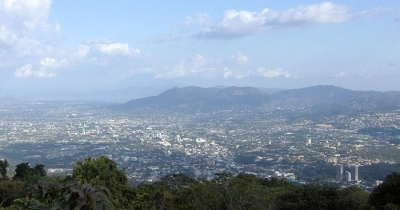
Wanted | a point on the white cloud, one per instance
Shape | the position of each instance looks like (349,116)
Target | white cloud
(27,37)
(43,73)
(21,22)
(24,71)
(340,74)
(260,72)
(315,14)
(179,70)
(240,58)
(51,63)
(46,68)
(198,61)
(82,51)
(229,74)
(7,38)
(199,19)
(107,47)
(114,48)
(272,73)
(179,33)
(234,24)
(200,67)
(22,16)
(197,66)
(243,23)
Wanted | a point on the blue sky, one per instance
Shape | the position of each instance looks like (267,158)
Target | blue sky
(85,45)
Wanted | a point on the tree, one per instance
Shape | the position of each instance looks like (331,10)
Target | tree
(10,190)
(3,168)
(246,192)
(39,170)
(23,171)
(352,198)
(149,197)
(99,171)
(102,171)
(72,195)
(317,196)
(387,194)
(176,181)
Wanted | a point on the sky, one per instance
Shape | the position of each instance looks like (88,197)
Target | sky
(70,45)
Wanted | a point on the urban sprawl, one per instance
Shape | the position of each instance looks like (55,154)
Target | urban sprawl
(150,146)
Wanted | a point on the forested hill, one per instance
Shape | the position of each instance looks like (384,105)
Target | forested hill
(329,96)
(318,99)
(195,99)
(97,183)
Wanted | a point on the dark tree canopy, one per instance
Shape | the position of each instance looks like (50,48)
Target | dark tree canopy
(23,171)
(387,194)
(3,168)
(97,183)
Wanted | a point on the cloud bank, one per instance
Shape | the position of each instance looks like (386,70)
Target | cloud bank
(244,23)
(201,67)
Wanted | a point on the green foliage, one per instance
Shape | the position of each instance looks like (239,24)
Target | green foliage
(29,176)
(3,168)
(387,194)
(246,192)
(39,170)
(317,196)
(352,198)
(26,203)
(97,183)
(10,190)
(175,181)
(246,158)
(319,170)
(102,171)
(24,172)
(377,171)
(72,195)
(148,197)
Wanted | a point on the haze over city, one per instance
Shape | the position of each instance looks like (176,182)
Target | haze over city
(73,46)
(167,104)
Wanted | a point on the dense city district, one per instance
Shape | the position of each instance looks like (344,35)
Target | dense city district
(337,149)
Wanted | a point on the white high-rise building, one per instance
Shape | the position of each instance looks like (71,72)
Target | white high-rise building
(348,176)
(308,142)
(356,173)
(339,172)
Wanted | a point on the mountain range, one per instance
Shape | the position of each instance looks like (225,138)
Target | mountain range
(322,98)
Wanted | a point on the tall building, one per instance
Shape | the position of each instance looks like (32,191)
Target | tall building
(348,176)
(339,172)
(355,173)
(308,142)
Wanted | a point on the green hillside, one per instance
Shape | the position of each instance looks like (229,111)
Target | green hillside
(97,183)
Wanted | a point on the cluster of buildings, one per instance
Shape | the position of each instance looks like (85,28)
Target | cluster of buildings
(345,175)
(152,145)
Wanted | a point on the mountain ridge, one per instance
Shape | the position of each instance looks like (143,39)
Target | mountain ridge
(193,99)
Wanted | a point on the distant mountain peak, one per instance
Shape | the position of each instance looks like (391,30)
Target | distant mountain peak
(193,99)
(322,92)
